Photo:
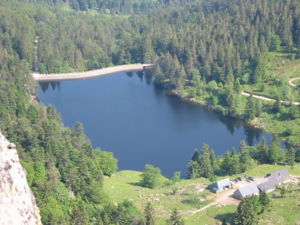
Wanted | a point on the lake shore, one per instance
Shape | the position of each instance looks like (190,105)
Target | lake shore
(255,123)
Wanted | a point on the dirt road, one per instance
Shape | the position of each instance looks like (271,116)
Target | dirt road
(247,94)
(291,82)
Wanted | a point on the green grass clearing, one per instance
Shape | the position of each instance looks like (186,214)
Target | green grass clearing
(185,195)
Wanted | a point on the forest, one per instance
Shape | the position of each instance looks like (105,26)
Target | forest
(206,50)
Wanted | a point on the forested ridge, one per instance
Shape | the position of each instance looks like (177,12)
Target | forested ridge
(114,6)
(205,50)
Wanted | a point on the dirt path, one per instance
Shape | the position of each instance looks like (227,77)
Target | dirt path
(221,198)
(247,94)
(291,82)
(91,73)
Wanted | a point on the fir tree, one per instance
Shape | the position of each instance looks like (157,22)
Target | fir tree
(175,218)
(149,214)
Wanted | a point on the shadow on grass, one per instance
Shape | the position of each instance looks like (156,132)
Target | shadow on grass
(138,184)
(226,218)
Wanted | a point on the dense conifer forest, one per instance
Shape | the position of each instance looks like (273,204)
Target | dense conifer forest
(206,50)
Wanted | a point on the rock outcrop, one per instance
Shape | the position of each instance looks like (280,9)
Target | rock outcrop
(17,203)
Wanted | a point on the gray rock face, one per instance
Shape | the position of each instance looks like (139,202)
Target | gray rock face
(17,203)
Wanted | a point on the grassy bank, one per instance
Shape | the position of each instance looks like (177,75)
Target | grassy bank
(186,195)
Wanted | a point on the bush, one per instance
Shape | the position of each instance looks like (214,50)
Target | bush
(151,176)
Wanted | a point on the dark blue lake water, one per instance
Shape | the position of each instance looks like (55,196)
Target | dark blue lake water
(141,124)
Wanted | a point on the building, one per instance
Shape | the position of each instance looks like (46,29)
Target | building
(279,176)
(267,184)
(220,185)
(245,191)
(275,178)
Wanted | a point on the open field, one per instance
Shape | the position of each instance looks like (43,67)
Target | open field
(186,195)
(283,210)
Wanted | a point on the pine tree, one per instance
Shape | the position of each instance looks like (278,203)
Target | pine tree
(246,162)
(290,156)
(250,108)
(205,162)
(276,153)
(247,211)
(264,200)
(175,219)
(149,214)
(275,43)
(263,151)
(194,169)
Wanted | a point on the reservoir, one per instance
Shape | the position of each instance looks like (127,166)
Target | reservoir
(141,124)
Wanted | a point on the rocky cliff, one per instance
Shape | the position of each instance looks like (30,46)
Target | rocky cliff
(17,203)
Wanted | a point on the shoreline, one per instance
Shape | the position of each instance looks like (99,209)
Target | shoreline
(212,108)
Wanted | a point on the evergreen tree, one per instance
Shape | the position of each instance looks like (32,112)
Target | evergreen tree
(275,43)
(176,177)
(290,156)
(193,169)
(264,201)
(175,219)
(205,162)
(276,153)
(250,108)
(263,151)
(246,162)
(247,211)
(149,214)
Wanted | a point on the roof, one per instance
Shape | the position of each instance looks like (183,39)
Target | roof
(279,176)
(248,190)
(274,178)
(267,186)
(223,183)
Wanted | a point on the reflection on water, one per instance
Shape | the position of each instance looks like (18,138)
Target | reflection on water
(45,85)
(141,124)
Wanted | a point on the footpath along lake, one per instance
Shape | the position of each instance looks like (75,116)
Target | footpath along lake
(141,124)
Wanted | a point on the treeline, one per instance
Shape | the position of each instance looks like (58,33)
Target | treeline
(114,7)
(204,163)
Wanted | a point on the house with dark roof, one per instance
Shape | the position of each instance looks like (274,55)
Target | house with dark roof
(267,185)
(279,176)
(274,178)
(245,191)
(221,185)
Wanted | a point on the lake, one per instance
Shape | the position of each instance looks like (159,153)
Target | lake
(141,124)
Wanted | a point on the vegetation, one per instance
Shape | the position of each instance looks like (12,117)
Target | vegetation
(231,46)
(249,209)
(149,214)
(125,185)
(175,219)
(206,164)
(151,177)
(229,49)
